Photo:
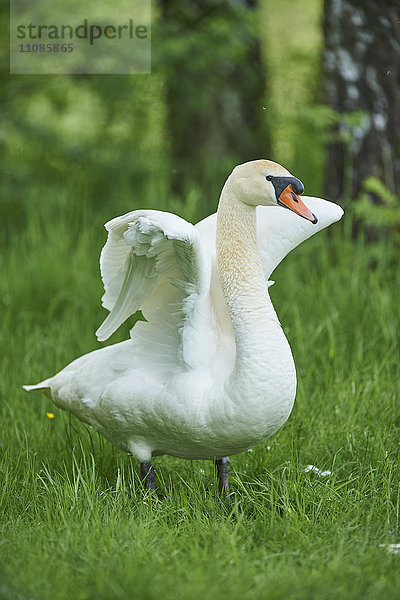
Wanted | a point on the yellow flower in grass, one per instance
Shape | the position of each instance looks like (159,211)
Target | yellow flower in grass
(50,415)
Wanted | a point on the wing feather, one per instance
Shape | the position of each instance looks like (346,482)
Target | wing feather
(160,264)
(278,230)
(156,262)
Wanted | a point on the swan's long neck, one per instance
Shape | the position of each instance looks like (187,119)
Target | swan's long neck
(261,347)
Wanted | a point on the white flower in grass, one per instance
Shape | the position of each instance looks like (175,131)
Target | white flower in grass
(391,548)
(314,469)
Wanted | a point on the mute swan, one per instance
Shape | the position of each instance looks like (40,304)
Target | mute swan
(210,373)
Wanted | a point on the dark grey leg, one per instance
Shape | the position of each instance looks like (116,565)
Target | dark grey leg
(148,475)
(222,466)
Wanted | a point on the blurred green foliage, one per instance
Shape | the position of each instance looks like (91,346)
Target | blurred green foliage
(378,208)
(94,139)
(104,143)
(299,123)
(215,80)
(101,142)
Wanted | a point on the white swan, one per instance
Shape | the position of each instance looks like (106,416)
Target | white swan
(210,373)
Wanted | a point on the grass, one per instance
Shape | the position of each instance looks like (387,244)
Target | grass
(69,530)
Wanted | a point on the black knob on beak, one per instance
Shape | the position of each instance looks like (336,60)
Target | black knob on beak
(297,186)
(280,183)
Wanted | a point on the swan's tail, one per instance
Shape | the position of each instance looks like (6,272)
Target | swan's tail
(39,387)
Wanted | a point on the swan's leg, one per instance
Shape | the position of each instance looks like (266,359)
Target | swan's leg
(222,465)
(148,475)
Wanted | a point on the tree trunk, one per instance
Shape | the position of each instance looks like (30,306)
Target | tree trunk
(215,88)
(362,74)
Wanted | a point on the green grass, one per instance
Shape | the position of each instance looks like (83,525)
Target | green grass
(287,533)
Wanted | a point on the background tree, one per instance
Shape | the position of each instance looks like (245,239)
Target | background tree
(362,74)
(215,88)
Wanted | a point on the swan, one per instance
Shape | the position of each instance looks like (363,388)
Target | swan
(210,372)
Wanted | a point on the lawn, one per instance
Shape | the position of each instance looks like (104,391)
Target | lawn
(68,528)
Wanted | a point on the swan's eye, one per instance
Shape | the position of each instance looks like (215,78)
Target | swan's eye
(269,178)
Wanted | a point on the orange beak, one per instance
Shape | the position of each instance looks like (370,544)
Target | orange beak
(293,202)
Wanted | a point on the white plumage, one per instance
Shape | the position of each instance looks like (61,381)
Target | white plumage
(210,372)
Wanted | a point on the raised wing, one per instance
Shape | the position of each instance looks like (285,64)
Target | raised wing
(279,230)
(156,262)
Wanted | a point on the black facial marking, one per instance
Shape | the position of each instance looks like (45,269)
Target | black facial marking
(297,186)
(280,183)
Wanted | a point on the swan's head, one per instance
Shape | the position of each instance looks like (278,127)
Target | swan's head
(265,183)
